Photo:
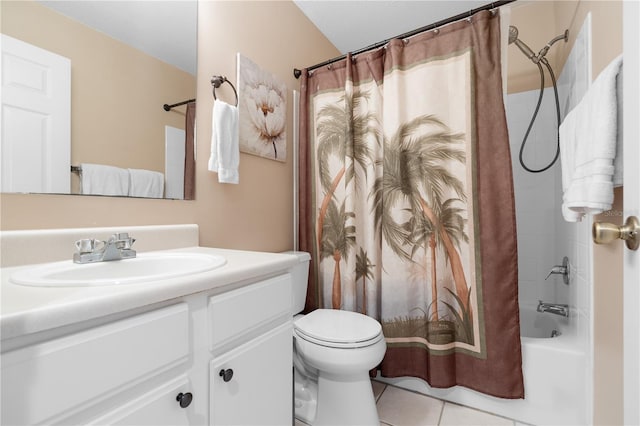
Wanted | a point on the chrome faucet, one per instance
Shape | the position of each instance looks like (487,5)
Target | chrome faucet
(553,308)
(117,247)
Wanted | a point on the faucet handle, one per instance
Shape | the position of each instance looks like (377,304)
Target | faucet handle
(89,245)
(122,240)
(558,269)
(561,270)
(129,242)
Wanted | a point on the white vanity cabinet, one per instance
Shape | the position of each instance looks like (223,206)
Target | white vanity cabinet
(71,379)
(161,364)
(251,338)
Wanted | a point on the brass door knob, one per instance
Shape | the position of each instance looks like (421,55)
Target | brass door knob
(604,233)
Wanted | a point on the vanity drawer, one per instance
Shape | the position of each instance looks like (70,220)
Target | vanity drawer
(48,381)
(244,310)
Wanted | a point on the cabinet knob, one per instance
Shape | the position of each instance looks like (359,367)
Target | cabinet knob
(184,399)
(226,374)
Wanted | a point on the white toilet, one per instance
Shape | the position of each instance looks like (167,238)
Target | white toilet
(333,353)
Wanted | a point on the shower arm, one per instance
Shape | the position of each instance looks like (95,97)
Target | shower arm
(542,53)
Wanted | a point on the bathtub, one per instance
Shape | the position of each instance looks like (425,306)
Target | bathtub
(554,370)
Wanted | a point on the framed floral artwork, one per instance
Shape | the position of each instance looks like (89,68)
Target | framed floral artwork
(262,106)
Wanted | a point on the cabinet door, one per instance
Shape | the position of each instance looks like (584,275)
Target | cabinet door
(259,391)
(155,408)
(51,380)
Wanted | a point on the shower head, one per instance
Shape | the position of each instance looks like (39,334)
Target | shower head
(513,38)
(513,34)
(545,49)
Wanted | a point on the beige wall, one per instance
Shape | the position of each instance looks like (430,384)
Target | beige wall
(117,92)
(536,27)
(540,21)
(257,213)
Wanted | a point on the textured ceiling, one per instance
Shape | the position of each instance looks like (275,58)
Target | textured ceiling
(352,25)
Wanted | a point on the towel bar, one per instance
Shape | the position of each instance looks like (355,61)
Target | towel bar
(168,107)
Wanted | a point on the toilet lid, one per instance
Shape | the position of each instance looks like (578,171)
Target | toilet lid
(341,327)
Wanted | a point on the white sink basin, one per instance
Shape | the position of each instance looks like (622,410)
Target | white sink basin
(146,267)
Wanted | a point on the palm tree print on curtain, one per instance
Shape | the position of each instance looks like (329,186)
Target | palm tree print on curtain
(407,183)
(416,180)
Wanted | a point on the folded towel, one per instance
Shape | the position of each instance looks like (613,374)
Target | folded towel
(146,183)
(97,179)
(225,148)
(588,144)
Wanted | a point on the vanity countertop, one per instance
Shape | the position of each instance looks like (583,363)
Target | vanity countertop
(25,310)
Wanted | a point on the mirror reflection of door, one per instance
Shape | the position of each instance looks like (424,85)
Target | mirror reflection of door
(36,119)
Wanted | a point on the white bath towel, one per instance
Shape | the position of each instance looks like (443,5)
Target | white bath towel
(225,149)
(589,139)
(146,183)
(97,179)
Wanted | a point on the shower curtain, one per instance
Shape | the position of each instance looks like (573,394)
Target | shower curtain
(406,203)
(189,154)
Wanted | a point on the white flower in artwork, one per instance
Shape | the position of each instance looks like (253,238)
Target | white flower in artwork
(263,112)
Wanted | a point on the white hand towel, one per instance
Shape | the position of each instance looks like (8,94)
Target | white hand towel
(98,179)
(588,143)
(146,183)
(225,148)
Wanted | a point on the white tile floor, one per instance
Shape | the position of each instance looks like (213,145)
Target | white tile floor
(399,407)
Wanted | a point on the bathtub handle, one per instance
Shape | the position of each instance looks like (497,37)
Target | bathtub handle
(561,270)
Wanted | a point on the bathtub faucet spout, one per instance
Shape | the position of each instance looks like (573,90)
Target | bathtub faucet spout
(553,308)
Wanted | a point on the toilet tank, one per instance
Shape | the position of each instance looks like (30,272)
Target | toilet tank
(300,275)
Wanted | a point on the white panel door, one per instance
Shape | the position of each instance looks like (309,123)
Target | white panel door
(36,119)
(631,77)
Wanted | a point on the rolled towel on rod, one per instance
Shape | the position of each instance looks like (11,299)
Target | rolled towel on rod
(98,179)
(146,183)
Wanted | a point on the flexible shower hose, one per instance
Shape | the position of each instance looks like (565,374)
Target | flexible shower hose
(535,114)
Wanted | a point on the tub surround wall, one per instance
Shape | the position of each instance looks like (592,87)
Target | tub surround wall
(536,205)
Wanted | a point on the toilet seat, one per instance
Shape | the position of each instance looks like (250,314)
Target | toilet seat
(338,329)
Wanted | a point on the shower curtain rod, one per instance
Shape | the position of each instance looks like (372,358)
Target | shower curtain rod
(297,73)
(168,107)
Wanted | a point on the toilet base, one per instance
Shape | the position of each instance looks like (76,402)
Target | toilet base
(347,402)
(305,398)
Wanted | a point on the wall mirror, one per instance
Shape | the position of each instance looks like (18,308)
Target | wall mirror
(124,61)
